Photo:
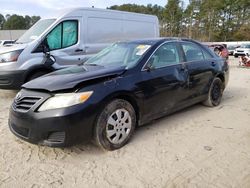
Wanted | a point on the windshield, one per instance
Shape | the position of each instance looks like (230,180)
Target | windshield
(231,47)
(119,54)
(35,31)
(245,46)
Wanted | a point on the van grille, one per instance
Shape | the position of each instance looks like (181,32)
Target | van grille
(24,104)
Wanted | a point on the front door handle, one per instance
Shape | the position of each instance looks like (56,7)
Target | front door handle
(79,50)
(213,64)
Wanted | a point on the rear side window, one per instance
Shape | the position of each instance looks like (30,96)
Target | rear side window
(63,35)
(206,54)
(192,52)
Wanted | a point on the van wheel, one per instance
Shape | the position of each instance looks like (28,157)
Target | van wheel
(215,93)
(115,125)
(36,75)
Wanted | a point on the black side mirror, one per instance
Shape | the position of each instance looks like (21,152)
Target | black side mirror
(150,63)
(45,47)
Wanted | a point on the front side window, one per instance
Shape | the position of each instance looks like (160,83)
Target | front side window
(192,52)
(63,35)
(164,56)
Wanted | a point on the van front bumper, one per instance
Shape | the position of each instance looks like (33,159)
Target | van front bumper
(12,79)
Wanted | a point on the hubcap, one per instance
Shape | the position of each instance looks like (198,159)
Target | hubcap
(118,126)
(216,92)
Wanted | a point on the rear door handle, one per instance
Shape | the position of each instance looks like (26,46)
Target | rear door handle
(213,64)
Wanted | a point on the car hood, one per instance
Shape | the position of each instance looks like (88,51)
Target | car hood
(69,78)
(11,47)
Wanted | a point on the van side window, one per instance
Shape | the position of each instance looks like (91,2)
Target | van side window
(192,52)
(63,35)
(164,56)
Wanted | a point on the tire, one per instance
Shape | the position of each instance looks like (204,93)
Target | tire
(36,75)
(236,56)
(115,125)
(215,93)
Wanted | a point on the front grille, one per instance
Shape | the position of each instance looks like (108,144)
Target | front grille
(240,51)
(24,104)
(20,130)
(58,137)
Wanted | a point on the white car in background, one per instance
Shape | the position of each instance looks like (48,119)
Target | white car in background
(243,50)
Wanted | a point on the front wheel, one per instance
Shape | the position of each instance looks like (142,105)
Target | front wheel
(115,125)
(215,93)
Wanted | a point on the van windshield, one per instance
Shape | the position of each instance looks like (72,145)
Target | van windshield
(35,31)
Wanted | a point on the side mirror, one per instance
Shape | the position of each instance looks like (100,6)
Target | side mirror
(150,63)
(45,47)
(147,68)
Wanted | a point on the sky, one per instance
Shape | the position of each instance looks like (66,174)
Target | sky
(42,7)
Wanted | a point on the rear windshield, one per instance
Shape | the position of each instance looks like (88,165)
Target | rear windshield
(36,30)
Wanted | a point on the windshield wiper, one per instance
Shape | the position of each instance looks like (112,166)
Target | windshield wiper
(90,64)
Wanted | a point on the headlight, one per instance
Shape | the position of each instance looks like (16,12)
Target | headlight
(65,100)
(10,56)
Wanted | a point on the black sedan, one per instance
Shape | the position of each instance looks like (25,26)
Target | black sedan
(126,85)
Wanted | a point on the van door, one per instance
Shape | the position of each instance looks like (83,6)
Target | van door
(65,43)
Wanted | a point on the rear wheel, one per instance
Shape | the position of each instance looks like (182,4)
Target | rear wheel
(115,125)
(215,93)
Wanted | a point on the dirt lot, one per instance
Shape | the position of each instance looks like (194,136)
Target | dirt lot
(197,147)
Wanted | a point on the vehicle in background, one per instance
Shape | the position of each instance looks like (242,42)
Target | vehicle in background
(125,85)
(6,42)
(244,61)
(220,50)
(243,50)
(71,37)
(231,49)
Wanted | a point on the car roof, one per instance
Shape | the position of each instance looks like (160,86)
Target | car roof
(153,41)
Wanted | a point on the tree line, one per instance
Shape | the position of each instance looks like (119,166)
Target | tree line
(204,20)
(17,22)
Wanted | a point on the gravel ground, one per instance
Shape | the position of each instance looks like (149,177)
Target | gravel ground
(197,147)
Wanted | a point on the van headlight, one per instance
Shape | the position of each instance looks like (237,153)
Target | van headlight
(65,100)
(10,56)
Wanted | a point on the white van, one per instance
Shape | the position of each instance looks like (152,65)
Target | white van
(72,37)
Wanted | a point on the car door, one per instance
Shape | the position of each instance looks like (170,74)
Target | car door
(65,43)
(164,79)
(200,65)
